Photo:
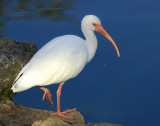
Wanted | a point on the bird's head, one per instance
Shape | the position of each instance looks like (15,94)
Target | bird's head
(93,23)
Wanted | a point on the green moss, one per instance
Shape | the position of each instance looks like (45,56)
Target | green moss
(3,123)
(8,75)
(7,94)
(26,55)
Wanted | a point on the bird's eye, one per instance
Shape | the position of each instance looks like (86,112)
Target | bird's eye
(94,24)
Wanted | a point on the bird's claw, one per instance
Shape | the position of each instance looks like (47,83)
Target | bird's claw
(62,114)
(48,96)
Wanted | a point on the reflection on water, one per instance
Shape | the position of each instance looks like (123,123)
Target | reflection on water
(29,9)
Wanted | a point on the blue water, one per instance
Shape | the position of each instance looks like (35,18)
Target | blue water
(123,90)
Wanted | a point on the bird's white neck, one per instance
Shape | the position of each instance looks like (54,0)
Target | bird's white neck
(91,42)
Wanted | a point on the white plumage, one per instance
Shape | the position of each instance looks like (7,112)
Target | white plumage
(61,59)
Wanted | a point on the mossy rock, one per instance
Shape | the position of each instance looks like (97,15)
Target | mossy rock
(13,56)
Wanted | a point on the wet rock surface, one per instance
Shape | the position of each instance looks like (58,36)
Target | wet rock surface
(12,114)
(13,56)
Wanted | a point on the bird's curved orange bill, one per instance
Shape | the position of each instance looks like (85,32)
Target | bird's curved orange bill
(101,30)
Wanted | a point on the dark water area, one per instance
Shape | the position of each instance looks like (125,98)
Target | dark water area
(123,90)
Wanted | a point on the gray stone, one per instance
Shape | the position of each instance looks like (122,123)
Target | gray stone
(17,115)
(102,124)
(13,56)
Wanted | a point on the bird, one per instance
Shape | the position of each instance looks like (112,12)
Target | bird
(61,59)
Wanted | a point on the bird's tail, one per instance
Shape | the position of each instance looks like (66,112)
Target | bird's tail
(17,88)
(21,84)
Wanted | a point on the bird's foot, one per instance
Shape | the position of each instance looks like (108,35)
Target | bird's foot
(62,114)
(48,95)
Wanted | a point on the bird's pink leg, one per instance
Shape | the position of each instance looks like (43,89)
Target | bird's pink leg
(59,113)
(47,94)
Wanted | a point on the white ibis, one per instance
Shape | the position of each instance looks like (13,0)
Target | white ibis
(61,59)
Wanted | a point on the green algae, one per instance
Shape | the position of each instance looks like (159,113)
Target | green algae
(8,74)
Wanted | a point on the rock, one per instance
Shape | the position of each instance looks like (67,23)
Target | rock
(12,114)
(50,122)
(17,115)
(13,56)
(102,124)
